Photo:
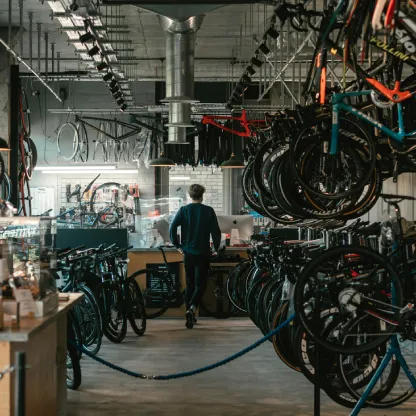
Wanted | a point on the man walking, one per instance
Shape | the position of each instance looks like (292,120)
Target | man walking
(198,222)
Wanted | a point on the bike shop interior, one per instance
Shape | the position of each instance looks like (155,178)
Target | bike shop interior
(298,117)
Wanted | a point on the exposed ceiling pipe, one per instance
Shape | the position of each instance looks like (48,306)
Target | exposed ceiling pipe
(180,52)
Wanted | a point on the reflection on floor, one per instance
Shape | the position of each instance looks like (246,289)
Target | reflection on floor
(258,384)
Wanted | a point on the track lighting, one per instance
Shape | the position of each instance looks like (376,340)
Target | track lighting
(113,83)
(117,95)
(232,163)
(273,33)
(93,51)
(115,89)
(102,65)
(123,107)
(255,61)
(246,79)
(250,70)
(73,6)
(108,76)
(263,48)
(87,38)
(120,101)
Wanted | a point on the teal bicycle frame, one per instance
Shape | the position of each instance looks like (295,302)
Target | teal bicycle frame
(338,105)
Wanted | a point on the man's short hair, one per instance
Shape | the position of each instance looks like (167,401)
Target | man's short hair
(196,192)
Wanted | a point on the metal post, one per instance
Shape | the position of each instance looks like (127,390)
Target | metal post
(58,58)
(10,26)
(20,384)
(14,132)
(53,57)
(31,39)
(46,55)
(21,26)
(39,26)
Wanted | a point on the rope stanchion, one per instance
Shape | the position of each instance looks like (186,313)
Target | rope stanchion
(192,372)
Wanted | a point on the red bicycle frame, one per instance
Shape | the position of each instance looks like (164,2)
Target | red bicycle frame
(243,122)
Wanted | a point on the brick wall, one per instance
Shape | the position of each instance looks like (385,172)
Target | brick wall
(208,177)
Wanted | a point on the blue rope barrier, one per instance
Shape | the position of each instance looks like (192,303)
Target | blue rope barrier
(192,372)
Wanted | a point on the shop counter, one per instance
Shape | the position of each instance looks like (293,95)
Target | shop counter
(43,340)
(140,258)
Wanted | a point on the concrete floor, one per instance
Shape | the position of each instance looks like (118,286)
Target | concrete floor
(258,384)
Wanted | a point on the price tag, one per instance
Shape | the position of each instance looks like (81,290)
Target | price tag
(27,306)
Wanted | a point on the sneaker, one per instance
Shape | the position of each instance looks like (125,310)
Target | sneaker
(189,319)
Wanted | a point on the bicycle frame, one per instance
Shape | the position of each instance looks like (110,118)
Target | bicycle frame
(338,104)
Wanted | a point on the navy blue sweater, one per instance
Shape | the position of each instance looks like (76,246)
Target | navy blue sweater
(197,222)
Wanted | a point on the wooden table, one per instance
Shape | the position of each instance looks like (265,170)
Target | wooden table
(43,340)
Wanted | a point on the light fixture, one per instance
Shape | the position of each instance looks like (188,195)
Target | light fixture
(73,6)
(232,163)
(107,76)
(273,33)
(4,146)
(90,167)
(120,101)
(263,48)
(161,161)
(87,38)
(250,70)
(82,170)
(94,50)
(245,78)
(255,61)
(113,83)
(179,178)
(123,107)
(102,65)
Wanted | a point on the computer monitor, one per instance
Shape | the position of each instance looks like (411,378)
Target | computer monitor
(243,223)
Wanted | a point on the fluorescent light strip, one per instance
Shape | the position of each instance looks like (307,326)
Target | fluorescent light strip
(113,172)
(179,178)
(90,167)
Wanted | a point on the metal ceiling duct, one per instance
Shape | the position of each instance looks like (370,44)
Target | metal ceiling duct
(180,52)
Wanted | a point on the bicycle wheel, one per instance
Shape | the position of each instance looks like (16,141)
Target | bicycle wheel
(6,184)
(24,111)
(83,149)
(158,295)
(332,176)
(26,154)
(136,311)
(3,176)
(116,318)
(25,199)
(68,141)
(351,282)
(87,314)
(73,369)
(111,201)
(236,285)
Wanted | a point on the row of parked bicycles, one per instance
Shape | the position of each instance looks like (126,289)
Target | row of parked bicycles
(352,290)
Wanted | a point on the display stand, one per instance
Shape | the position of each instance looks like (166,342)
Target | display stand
(393,350)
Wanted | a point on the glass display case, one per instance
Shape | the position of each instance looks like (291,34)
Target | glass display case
(27,256)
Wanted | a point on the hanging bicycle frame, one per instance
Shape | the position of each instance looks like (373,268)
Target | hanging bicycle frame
(244,122)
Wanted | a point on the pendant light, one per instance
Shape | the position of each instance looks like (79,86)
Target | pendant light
(232,162)
(4,146)
(161,161)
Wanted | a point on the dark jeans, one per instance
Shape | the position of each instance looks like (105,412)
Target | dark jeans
(196,269)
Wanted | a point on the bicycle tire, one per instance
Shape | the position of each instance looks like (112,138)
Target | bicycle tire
(135,305)
(24,110)
(83,148)
(302,282)
(75,145)
(114,331)
(164,294)
(351,127)
(73,363)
